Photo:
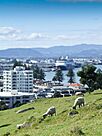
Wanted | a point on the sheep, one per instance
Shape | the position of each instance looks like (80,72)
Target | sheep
(19,126)
(79,94)
(25,124)
(50,111)
(78,102)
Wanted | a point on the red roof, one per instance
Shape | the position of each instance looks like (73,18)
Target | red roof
(74,84)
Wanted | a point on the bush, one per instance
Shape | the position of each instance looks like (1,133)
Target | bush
(76,131)
(7,134)
(72,113)
(26,135)
(3,105)
(98,107)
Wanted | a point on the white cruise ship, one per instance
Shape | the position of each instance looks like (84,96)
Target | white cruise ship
(64,64)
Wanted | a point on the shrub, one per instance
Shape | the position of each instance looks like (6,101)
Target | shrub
(26,135)
(77,131)
(98,107)
(7,134)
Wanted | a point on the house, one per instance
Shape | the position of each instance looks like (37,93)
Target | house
(77,87)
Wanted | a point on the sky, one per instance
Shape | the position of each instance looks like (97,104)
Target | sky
(47,23)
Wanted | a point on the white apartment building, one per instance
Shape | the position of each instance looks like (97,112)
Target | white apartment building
(18,79)
(5,66)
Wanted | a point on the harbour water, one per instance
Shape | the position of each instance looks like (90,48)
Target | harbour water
(50,75)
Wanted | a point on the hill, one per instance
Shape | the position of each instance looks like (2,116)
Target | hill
(20,53)
(82,50)
(88,121)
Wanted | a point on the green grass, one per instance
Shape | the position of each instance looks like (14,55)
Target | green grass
(88,121)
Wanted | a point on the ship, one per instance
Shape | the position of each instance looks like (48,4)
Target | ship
(64,64)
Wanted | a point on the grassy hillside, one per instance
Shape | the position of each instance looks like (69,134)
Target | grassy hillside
(88,121)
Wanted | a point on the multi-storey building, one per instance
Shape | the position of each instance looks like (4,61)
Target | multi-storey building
(5,66)
(18,79)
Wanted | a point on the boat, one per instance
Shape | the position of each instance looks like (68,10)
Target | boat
(64,64)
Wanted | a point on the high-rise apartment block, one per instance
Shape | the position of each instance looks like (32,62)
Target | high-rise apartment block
(18,79)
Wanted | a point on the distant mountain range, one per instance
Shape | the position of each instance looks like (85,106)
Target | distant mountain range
(82,50)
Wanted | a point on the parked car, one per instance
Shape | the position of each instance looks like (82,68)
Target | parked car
(41,95)
(57,94)
(65,93)
(49,95)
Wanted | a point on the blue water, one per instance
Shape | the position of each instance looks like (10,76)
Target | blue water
(50,75)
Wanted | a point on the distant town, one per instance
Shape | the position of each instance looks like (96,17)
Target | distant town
(19,82)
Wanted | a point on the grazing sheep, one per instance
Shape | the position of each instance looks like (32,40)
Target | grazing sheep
(19,126)
(79,94)
(78,102)
(25,124)
(50,111)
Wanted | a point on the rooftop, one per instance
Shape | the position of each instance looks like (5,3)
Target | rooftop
(10,94)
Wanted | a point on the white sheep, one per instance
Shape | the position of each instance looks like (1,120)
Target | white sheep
(79,94)
(25,124)
(19,126)
(79,102)
(50,111)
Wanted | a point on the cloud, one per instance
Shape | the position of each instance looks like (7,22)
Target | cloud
(61,37)
(8,33)
(66,38)
(20,38)
(32,37)
(8,30)
(35,36)
(80,36)
(12,34)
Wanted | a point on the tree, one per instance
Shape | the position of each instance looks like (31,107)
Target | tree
(54,79)
(99,79)
(88,76)
(38,73)
(71,75)
(41,74)
(17,104)
(27,67)
(17,63)
(3,105)
(35,72)
(59,75)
